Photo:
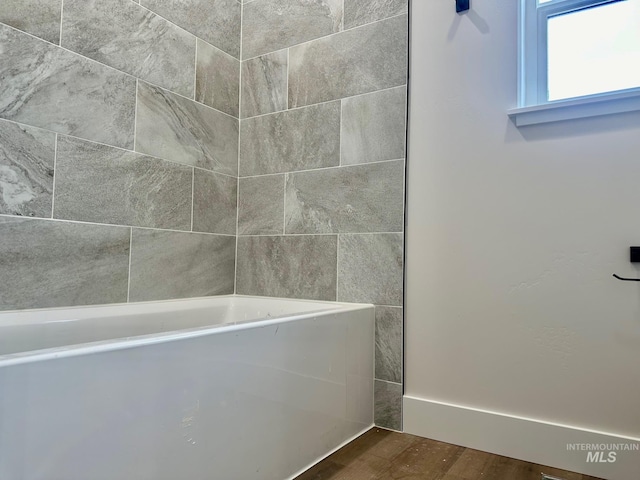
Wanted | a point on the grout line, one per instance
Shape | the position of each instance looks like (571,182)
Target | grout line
(317,234)
(240,72)
(387,381)
(135,118)
(404,85)
(284,204)
(114,225)
(320,169)
(264,175)
(61,17)
(193,193)
(337,267)
(235,268)
(200,168)
(130,255)
(340,132)
(286,90)
(195,74)
(330,35)
(53,185)
(241,30)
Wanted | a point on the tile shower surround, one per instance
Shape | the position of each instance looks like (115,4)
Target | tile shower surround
(121,138)
(118,152)
(321,163)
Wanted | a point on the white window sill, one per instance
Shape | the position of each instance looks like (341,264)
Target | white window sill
(582,107)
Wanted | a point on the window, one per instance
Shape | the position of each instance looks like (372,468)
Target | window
(577,53)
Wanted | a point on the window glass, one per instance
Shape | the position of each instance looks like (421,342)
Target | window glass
(593,50)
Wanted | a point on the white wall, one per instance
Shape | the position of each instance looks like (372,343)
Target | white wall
(513,235)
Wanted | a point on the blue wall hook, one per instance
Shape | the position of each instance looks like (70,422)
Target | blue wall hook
(462,6)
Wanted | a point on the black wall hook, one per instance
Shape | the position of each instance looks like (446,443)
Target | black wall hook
(627,279)
(634,257)
(462,6)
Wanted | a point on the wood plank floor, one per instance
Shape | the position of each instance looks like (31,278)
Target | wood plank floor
(384,455)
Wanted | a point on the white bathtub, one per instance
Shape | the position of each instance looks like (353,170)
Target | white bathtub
(224,388)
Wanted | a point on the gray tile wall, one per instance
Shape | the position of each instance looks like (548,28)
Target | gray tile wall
(119,135)
(322,156)
(144,136)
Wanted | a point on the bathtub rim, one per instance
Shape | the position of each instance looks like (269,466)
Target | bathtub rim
(124,343)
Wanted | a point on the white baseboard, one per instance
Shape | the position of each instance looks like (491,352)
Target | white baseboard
(527,439)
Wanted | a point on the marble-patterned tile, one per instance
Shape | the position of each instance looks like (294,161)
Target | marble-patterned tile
(46,263)
(373,126)
(270,25)
(297,139)
(181,130)
(389,344)
(360,198)
(215,203)
(388,405)
(359,12)
(46,86)
(370,268)
(168,265)
(261,205)
(37,17)
(264,84)
(97,183)
(217,79)
(214,21)
(125,36)
(290,267)
(26,170)
(357,61)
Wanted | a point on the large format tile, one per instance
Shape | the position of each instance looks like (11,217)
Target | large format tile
(370,268)
(102,184)
(388,405)
(180,265)
(269,25)
(264,84)
(53,264)
(359,12)
(217,79)
(357,61)
(214,21)
(46,86)
(373,127)
(26,170)
(261,205)
(181,130)
(361,198)
(389,344)
(125,36)
(37,17)
(291,267)
(298,139)
(215,201)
